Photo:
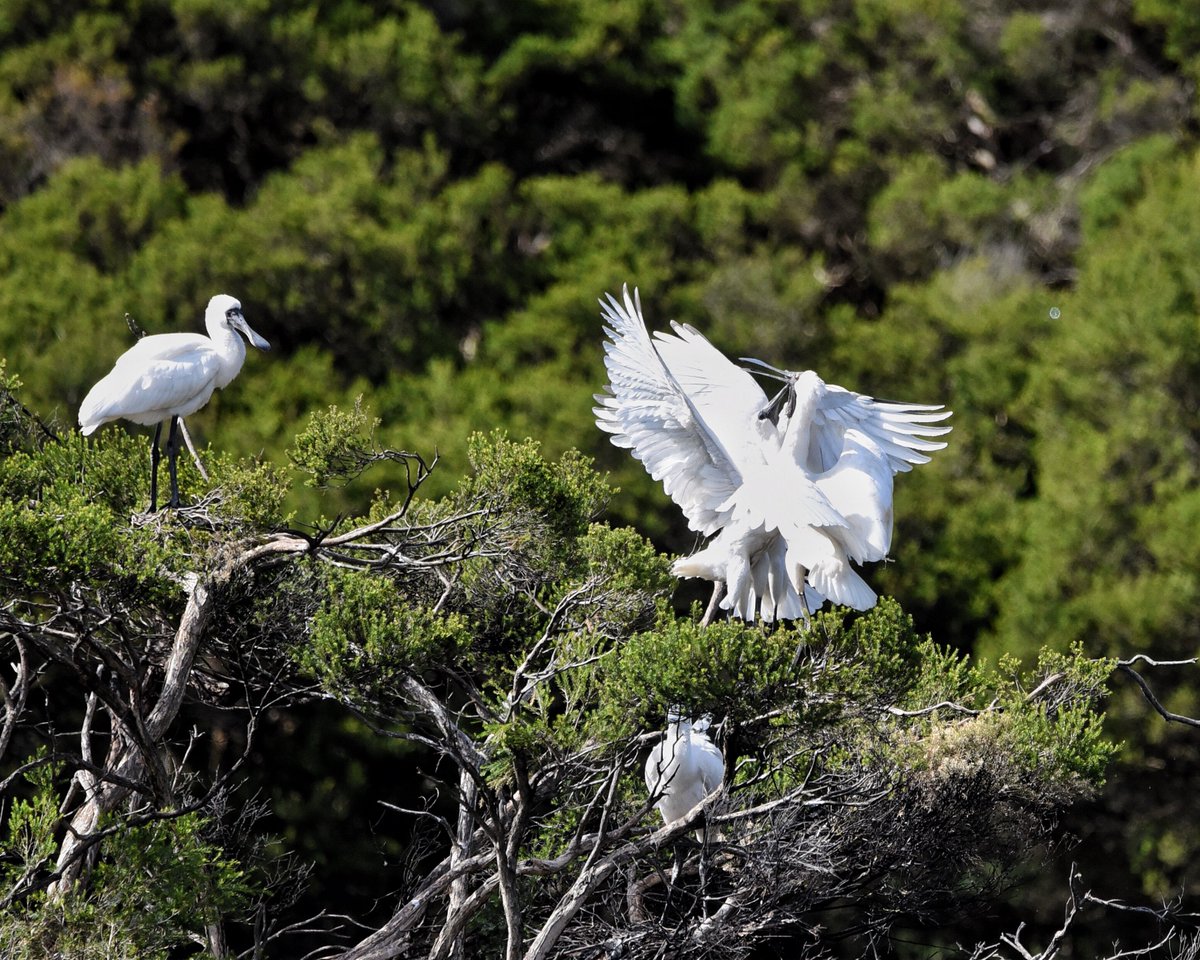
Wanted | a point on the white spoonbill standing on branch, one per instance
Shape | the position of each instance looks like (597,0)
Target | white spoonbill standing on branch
(171,375)
(683,768)
(795,487)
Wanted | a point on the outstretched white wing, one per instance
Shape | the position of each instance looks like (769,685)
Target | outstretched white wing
(727,397)
(859,487)
(650,413)
(902,430)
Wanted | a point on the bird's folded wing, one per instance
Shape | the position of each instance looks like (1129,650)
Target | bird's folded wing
(709,761)
(649,412)
(902,430)
(163,384)
(164,346)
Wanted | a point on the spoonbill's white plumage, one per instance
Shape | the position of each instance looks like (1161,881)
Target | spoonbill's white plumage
(752,566)
(650,414)
(859,487)
(171,375)
(683,768)
(694,423)
(773,587)
(795,488)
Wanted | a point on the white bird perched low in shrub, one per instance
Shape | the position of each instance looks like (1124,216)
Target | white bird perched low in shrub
(684,768)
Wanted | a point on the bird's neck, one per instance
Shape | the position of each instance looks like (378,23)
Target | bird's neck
(230,346)
(799,426)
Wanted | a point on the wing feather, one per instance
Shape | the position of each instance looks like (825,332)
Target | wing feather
(902,430)
(710,762)
(149,390)
(648,412)
(726,395)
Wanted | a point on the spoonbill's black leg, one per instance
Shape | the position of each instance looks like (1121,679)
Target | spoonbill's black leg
(808,622)
(718,589)
(172,453)
(155,456)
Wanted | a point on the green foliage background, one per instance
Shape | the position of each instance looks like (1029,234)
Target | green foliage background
(993,205)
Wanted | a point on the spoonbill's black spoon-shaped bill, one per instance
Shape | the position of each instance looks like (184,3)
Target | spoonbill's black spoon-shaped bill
(171,375)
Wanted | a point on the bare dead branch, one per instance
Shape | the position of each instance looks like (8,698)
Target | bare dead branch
(15,694)
(1178,930)
(1126,668)
(932,708)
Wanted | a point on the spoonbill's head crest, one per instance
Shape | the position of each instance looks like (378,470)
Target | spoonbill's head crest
(226,311)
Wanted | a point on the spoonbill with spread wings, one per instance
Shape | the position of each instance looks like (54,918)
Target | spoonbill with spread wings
(794,488)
